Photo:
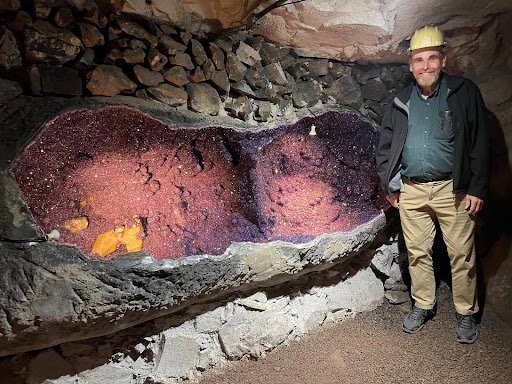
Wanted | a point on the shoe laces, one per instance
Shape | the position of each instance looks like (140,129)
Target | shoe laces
(417,313)
(465,321)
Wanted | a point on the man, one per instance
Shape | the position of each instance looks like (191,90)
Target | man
(433,162)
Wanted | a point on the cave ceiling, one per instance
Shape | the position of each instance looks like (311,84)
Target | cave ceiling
(352,30)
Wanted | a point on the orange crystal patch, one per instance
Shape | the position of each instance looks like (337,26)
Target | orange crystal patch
(76,225)
(108,242)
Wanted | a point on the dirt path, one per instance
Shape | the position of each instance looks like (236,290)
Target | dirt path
(372,348)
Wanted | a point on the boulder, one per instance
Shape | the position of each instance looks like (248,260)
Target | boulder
(39,47)
(182,59)
(198,52)
(307,94)
(218,57)
(236,70)
(108,80)
(247,54)
(133,29)
(346,91)
(63,17)
(203,98)
(147,77)
(91,35)
(156,60)
(10,56)
(169,94)
(177,76)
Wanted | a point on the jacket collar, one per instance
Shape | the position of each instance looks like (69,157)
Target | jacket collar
(402,98)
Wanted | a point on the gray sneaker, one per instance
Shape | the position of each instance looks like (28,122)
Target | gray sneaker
(415,320)
(467,332)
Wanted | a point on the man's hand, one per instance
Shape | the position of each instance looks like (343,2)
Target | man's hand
(473,204)
(394,199)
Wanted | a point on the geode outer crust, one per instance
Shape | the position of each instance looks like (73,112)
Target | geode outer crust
(51,293)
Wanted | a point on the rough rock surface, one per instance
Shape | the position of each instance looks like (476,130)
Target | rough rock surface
(54,294)
(179,346)
(355,31)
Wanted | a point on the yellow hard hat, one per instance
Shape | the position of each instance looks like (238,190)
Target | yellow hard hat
(427,37)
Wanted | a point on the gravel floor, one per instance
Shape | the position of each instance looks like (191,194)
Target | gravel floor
(372,348)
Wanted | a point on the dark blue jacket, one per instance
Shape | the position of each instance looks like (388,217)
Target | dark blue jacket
(471,139)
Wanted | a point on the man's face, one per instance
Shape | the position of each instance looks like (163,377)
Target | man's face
(425,65)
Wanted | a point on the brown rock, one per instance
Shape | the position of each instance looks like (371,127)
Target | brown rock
(91,36)
(319,67)
(10,56)
(62,34)
(63,17)
(9,90)
(113,33)
(43,8)
(87,59)
(147,77)
(239,107)
(21,21)
(308,94)
(208,69)
(167,29)
(177,76)
(270,53)
(198,52)
(134,56)
(339,69)
(220,79)
(182,59)
(203,98)
(173,47)
(256,78)
(133,29)
(346,90)
(197,76)
(156,60)
(263,110)
(9,5)
(275,73)
(141,93)
(113,55)
(39,47)
(134,44)
(57,80)
(247,54)
(236,70)
(94,17)
(226,43)
(185,37)
(243,88)
(217,57)
(108,80)
(169,94)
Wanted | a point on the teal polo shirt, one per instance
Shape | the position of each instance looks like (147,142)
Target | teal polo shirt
(428,150)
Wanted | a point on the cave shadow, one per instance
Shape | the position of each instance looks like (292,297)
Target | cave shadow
(494,226)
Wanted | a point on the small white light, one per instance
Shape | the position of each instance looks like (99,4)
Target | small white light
(312,132)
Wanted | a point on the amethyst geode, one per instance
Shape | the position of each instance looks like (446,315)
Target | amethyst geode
(195,191)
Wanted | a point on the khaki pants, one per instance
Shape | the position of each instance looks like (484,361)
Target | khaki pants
(421,204)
